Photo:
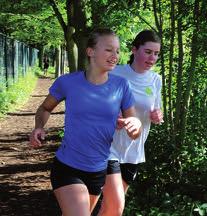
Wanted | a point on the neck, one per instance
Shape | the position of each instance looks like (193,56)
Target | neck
(96,77)
(136,68)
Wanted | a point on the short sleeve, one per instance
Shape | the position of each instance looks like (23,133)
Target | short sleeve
(57,89)
(158,99)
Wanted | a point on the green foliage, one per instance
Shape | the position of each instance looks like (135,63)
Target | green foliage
(31,22)
(16,95)
(201,209)
(167,205)
(61,133)
(168,162)
(172,181)
(124,18)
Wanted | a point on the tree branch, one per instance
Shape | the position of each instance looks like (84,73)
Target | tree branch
(58,14)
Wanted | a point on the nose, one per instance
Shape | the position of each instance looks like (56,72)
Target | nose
(153,57)
(115,56)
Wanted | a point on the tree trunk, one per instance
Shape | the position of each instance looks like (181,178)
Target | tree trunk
(158,22)
(82,59)
(191,72)
(40,55)
(171,56)
(57,61)
(71,50)
(81,32)
(179,74)
(68,30)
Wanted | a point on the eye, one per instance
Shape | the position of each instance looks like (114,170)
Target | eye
(157,53)
(148,51)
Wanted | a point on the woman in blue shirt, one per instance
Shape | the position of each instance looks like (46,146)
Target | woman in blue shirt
(93,100)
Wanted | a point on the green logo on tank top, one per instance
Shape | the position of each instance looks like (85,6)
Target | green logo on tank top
(148,91)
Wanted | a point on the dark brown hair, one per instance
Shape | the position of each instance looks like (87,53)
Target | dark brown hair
(143,37)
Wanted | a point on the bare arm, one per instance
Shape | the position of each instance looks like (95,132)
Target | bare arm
(41,118)
(131,123)
(156,115)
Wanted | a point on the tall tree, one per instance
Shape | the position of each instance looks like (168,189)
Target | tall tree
(32,23)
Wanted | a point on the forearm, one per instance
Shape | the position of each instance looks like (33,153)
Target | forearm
(44,110)
(41,117)
(129,112)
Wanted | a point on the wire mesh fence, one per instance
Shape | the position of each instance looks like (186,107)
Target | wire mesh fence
(15,59)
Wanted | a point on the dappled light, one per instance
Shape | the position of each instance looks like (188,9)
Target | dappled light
(25,185)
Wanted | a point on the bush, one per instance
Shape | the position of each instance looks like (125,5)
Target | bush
(16,95)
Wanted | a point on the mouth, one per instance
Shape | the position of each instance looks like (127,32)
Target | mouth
(149,64)
(112,62)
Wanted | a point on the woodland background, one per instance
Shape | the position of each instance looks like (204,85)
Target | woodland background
(173,181)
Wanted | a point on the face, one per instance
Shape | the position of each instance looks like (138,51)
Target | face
(105,54)
(145,56)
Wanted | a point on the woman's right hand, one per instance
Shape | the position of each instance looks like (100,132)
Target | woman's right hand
(156,116)
(36,138)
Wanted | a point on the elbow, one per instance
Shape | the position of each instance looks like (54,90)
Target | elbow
(43,109)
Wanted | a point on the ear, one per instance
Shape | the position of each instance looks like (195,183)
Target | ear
(89,51)
(134,49)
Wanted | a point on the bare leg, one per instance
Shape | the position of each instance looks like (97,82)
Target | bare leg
(93,201)
(113,196)
(125,185)
(73,200)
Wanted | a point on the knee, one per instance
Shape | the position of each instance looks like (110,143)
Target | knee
(114,208)
(118,208)
(111,212)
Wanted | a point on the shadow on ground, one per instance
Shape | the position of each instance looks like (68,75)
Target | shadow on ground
(34,203)
(25,185)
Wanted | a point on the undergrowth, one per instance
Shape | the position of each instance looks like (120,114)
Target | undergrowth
(16,95)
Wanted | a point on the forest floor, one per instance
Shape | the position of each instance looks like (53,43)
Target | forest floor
(24,173)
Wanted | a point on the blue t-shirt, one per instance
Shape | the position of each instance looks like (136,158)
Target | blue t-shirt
(90,118)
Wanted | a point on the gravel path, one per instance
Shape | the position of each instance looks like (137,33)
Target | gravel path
(24,173)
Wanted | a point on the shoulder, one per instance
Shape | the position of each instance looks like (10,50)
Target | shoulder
(119,80)
(155,75)
(70,76)
(115,77)
(157,79)
(119,70)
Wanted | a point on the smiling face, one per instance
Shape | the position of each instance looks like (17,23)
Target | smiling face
(145,56)
(105,54)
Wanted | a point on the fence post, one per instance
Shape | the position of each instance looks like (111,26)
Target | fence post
(15,58)
(5,61)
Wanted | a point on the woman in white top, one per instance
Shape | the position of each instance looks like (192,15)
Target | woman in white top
(125,152)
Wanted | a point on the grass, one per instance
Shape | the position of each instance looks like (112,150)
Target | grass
(16,95)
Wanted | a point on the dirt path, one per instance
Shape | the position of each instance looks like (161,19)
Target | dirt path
(24,174)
